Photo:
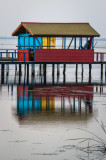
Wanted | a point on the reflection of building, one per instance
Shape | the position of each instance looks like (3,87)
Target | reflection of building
(27,100)
(42,98)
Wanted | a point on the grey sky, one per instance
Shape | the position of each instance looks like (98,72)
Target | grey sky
(12,12)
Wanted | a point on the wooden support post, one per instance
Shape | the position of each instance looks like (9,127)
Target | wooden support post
(64,68)
(25,69)
(40,69)
(74,104)
(64,73)
(76,73)
(64,78)
(90,67)
(27,73)
(101,72)
(33,69)
(20,73)
(7,69)
(53,72)
(79,105)
(82,72)
(2,74)
(15,69)
(44,73)
(90,105)
(58,69)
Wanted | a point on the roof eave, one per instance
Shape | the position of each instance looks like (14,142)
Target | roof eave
(16,30)
(59,35)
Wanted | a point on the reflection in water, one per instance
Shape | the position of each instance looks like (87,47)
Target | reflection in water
(54,101)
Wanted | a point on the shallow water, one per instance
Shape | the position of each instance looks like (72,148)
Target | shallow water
(38,121)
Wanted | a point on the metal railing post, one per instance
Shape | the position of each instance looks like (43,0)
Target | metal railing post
(12,56)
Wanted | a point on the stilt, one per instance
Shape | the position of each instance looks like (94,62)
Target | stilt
(27,73)
(6,78)
(90,67)
(12,89)
(82,72)
(15,69)
(25,69)
(19,79)
(76,73)
(74,104)
(44,73)
(7,69)
(90,106)
(53,71)
(64,68)
(64,73)
(101,72)
(79,105)
(58,69)
(40,69)
(33,69)
(2,74)
(20,73)
(58,76)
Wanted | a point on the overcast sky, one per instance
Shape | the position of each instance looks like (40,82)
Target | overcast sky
(13,12)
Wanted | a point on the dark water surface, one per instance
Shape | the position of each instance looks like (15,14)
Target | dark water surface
(37,120)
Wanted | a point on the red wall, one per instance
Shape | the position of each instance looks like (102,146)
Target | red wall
(64,55)
(21,55)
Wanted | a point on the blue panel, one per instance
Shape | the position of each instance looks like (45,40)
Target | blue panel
(30,103)
(37,104)
(21,111)
(25,105)
(26,42)
(36,42)
(21,43)
(31,42)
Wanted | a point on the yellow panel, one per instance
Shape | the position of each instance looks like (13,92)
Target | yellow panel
(44,103)
(53,42)
(52,103)
(45,42)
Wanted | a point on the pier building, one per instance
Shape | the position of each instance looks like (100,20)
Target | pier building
(37,42)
